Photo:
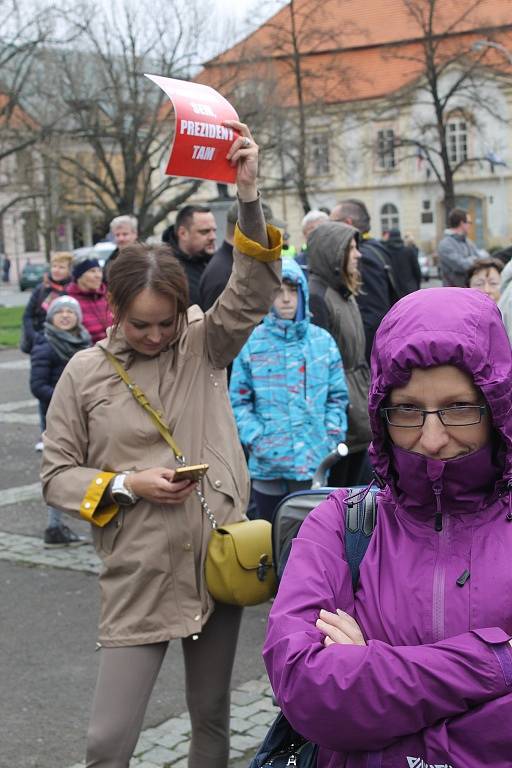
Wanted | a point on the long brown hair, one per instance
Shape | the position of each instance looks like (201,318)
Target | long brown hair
(140,266)
(353,282)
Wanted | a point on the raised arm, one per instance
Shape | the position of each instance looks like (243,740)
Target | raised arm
(350,697)
(256,273)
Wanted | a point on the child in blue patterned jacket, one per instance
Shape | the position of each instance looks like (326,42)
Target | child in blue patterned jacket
(289,396)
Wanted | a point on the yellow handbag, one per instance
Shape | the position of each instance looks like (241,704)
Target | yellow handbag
(239,569)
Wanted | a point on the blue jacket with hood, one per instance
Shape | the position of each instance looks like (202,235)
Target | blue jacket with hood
(288,392)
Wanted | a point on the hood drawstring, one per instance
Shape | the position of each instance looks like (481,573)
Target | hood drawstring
(359,496)
(509,513)
(437,488)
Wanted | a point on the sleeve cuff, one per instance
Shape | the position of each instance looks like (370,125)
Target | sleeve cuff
(93,495)
(255,250)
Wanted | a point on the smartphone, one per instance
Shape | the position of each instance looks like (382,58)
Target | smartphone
(193,473)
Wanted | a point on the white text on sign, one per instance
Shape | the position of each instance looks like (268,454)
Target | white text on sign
(202,109)
(206,130)
(203,153)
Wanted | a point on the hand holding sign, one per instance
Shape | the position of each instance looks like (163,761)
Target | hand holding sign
(206,126)
(243,154)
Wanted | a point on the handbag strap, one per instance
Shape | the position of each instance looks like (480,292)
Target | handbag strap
(143,401)
(162,427)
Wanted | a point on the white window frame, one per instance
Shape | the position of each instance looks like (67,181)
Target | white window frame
(389,217)
(457,139)
(385,149)
(320,151)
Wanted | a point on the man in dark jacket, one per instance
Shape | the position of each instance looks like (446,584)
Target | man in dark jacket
(404,262)
(192,239)
(378,289)
(218,269)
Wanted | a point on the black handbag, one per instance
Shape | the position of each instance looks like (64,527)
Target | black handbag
(283,746)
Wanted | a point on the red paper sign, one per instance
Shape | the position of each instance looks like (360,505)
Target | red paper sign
(201,141)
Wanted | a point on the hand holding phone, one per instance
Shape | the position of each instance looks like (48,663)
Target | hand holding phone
(193,473)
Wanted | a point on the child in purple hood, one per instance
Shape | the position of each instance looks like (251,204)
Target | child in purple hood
(414,668)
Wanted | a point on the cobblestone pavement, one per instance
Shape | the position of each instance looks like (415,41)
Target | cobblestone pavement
(166,745)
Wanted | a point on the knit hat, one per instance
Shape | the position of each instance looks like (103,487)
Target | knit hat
(83,266)
(64,302)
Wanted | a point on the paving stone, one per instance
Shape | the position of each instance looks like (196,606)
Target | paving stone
(263,718)
(144,764)
(160,755)
(240,725)
(183,763)
(243,742)
(254,685)
(244,697)
(260,731)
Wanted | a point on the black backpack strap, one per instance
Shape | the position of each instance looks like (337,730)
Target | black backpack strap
(360,521)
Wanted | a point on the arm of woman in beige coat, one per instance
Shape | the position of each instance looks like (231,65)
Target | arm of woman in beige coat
(256,274)
(68,483)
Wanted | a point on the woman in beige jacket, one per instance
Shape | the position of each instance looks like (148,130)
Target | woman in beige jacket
(105,461)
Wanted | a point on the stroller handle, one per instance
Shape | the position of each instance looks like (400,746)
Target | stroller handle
(332,458)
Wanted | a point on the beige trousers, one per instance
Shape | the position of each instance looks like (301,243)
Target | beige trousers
(125,681)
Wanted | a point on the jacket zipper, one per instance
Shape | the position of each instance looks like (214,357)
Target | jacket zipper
(440,568)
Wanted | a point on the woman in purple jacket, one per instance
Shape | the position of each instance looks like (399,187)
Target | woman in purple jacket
(414,669)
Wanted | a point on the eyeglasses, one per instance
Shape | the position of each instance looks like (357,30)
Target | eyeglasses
(453,416)
(483,283)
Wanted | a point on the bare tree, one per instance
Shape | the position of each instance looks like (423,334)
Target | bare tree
(450,85)
(115,127)
(23,32)
(282,83)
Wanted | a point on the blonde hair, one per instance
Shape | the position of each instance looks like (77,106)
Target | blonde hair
(61,257)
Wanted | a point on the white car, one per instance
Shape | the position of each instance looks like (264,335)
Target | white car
(100,251)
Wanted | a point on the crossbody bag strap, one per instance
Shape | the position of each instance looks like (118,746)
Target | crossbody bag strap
(162,427)
(143,401)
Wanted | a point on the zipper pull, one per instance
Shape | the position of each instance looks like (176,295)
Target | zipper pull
(463,578)
(292,760)
(439,513)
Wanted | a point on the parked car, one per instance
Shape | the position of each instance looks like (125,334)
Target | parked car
(424,265)
(31,275)
(100,251)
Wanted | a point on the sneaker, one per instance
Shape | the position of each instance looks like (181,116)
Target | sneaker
(39,446)
(62,536)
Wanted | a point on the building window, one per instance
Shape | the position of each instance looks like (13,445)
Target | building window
(30,231)
(25,167)
(386,160)
(389,218)
(319,144)
(427,215)
(457,140)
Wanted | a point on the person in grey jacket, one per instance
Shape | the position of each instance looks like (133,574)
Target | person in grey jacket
(505,302)
(456,251)
(334,282)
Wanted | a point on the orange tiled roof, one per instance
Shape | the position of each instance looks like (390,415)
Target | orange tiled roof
(17,118)
(354,49)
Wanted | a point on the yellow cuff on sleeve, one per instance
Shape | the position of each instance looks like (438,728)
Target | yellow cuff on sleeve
(257,251)
(93,495)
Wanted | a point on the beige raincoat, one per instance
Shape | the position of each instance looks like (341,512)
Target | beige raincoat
(152,582)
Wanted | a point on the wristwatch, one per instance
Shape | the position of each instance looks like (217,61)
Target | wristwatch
(120,493)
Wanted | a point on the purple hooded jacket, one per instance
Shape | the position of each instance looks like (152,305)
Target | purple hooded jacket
(433,686)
